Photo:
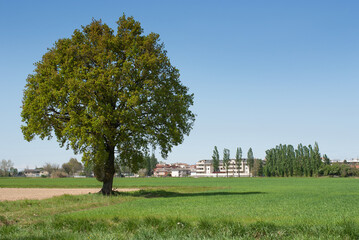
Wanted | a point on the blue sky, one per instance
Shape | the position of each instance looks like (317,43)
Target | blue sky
(262,72)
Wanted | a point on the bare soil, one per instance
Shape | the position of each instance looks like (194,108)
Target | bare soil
(13,194)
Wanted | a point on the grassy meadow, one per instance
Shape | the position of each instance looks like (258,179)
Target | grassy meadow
(188,208)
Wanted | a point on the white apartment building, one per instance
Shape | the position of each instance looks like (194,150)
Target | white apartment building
(204,168)
(180,172)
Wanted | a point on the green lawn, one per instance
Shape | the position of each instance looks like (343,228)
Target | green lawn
(187,208)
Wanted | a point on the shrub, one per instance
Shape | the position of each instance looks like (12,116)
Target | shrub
(338,169)
(59,174)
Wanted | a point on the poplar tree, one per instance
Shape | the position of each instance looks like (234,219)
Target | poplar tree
(299,158)
(215,158)
(306,157)
(317,158)
(269,163)
(250,159)
(326,159)
(239,160)
(291,159)
(226,159)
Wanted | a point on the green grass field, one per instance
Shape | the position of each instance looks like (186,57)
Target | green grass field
(187,208)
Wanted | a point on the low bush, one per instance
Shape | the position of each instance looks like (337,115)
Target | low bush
(59,174)
(338,169)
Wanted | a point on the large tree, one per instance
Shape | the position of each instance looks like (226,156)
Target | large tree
(101,92)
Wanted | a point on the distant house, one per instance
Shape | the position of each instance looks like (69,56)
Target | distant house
(38,172)
(172,169)
(162,170)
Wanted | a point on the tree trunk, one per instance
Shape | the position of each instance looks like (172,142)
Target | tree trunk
(109,171)
(107,187)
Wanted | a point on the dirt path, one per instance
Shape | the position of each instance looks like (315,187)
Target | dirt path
(13,194)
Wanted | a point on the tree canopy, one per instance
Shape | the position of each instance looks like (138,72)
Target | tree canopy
(99,92)
(72,166)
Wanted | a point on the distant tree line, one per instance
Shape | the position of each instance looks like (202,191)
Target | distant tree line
(339,169)
(285,161)
(68,169)
(73,167)
(145,167)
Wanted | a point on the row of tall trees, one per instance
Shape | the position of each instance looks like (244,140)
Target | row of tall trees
(226,159)
(255,165)
(284,160)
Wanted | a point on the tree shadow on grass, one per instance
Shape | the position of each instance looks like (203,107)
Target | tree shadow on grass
(168,194)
